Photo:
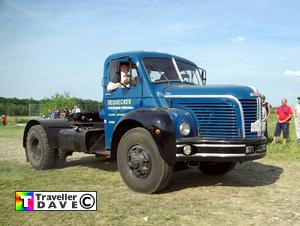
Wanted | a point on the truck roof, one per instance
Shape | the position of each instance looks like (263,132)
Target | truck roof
(144,54)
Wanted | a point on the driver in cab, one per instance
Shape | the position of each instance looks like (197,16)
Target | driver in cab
(120,79)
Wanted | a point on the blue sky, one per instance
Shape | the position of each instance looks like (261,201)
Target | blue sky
(55,46)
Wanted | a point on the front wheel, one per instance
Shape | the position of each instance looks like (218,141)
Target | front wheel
(140,163)
(216,168)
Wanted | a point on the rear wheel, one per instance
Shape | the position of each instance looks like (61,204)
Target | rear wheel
(140,163)
(39,153)
(216,168)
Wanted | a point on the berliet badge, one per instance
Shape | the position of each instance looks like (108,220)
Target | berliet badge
(255,94)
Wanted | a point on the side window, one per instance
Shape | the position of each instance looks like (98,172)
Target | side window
(113,69)
(134,72)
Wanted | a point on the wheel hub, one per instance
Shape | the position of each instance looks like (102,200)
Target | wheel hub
(36,148)
(139,161)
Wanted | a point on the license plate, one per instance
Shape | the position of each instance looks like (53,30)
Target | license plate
(261,148)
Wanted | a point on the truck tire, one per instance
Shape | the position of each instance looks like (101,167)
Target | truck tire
(216,168)
(39,153)
(140,164)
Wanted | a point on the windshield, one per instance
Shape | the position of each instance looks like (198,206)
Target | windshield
(169,69)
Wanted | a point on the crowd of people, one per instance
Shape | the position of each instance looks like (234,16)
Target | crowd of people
(284,114)
(62,113)
(52,114)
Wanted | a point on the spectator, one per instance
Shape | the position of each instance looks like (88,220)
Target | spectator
(52,115)
(266,112)
(67,113)
(284,114)
(76,109)
(56,114)
(49,113)
(3,119)
(297,119)
(62,114)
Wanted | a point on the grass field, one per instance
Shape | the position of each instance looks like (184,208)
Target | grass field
(264,192)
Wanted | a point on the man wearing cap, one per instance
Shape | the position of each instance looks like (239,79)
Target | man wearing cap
(266,112)
(284,114)
(120,79)
(297,119)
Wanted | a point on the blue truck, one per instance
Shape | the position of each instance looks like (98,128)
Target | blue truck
(162,117)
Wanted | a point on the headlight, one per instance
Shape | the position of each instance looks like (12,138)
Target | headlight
(184,129)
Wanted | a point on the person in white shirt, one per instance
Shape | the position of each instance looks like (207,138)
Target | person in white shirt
(76,109)
(266,113)
(120,79)
(297,119)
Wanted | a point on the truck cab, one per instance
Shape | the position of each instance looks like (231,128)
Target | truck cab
(163,115)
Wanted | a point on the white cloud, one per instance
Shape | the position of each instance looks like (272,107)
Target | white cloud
(295,73)
(238,40)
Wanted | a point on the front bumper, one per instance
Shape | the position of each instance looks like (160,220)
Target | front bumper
(225,150)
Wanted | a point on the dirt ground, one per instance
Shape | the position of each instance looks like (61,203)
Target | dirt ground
(264,192)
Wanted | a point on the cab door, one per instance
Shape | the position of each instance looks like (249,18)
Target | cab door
(122,100)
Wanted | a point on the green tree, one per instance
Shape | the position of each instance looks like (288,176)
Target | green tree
(58,101)
(16,107)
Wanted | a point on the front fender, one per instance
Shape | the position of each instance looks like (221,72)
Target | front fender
(152,119)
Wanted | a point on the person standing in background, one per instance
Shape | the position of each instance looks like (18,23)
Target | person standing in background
(62,114)
(3,119)
(284,114)
(52,114)
(67,113)
(266,112)
(49,113)
(76,109)
(56,114)
(297,119)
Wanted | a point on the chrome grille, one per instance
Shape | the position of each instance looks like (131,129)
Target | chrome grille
(214,119)
(250,115)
